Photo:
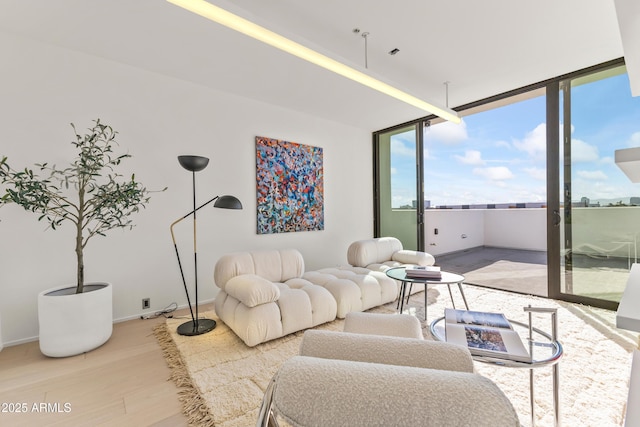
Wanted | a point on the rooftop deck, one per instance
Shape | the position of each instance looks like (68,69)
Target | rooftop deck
(525,271)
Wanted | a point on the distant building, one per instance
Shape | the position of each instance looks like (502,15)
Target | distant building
(496,206)
(635,201)
(427,204)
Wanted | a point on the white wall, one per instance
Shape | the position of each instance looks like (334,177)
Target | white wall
(460,229)
(44,88)
(516,228)
(602,231)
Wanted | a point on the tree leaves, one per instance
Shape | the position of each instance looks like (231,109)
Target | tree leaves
(87,193)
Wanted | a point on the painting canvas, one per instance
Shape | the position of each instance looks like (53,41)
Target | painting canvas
(289,184)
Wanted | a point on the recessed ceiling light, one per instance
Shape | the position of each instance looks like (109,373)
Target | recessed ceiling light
(394,51)
(244,26)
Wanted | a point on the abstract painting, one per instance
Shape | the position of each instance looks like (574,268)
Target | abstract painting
(289,186)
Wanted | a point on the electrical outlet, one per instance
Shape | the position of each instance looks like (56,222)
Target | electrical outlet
(146,303)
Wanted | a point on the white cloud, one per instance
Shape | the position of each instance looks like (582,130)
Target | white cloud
(537,173)
(592,175)
(607,160)
(394,171)
(583,152)
(634,140)
(399,148)
(447,132)
(534,142)
(497,173)
(471,157)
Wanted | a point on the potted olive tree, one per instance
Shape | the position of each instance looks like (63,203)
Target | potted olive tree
(94,198)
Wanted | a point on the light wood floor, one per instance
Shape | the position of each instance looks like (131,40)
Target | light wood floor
(123,383)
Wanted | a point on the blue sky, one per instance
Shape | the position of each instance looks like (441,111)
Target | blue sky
(499,156)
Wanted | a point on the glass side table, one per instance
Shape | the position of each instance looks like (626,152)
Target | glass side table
(400,274)
(544,348)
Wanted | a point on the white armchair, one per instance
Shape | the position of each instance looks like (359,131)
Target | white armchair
(346,379)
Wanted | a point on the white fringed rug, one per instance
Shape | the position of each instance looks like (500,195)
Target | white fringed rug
(222,380)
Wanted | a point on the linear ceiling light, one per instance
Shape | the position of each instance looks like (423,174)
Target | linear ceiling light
(257,32)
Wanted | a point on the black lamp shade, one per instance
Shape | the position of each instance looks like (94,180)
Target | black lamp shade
(193,163)
(227,202)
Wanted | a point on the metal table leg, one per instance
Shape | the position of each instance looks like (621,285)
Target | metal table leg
(425,302)
(556,393)
(556,368)
(403,290)
(464,298)
(451,295)
(531,399)
(409,294)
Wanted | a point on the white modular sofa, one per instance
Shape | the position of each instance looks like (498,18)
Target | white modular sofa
(267,294)
(263,295)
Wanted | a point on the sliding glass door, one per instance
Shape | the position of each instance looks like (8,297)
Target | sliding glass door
(599,206)
(456,191)
(485,193)
(398,180)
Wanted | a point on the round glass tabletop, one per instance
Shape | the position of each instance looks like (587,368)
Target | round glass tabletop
(544,349)
(399,273)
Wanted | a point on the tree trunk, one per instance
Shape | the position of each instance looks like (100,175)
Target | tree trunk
(80,259)
(79,248)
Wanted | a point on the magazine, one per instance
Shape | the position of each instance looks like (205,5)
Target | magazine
(485,334)
(424,272)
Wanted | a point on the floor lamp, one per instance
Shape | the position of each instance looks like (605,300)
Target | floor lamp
(197,326)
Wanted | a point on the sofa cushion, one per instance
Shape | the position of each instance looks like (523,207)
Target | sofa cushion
(274,265)
(394,325)
(370,251)
(252,290)
(354,288)
(406,256)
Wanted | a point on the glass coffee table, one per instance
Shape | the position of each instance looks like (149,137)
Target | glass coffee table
(544,348)
(400,274)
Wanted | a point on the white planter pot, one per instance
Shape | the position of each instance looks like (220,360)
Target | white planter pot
(73,323)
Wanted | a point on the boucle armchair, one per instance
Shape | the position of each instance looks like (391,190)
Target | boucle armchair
(346,379)
(263,295)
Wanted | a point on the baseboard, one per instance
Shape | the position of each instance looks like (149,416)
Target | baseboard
(118,320)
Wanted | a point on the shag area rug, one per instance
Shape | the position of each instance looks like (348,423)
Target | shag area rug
(222,381)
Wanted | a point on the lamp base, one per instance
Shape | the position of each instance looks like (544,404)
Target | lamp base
(191,328)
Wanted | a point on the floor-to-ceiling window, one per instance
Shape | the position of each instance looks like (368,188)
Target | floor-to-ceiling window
(600,206)
(489,183)
(485,187)
(397,181)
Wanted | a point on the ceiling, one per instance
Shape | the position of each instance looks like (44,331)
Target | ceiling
(481,47)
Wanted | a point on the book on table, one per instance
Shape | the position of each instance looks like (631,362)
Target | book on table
(424,272)
(485,334)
